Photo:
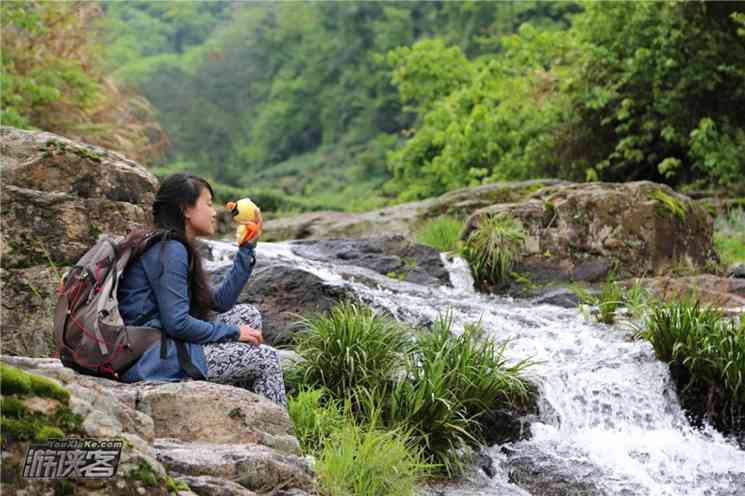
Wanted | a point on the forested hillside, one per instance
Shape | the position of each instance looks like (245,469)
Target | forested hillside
(354,105)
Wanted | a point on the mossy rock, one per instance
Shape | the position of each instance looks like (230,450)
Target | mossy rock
(16,381)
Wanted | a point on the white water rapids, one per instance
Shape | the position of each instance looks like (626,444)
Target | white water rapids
(609,414)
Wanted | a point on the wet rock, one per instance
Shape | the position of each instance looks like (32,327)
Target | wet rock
(255,467)
(562,297)
(581,232)
(284,295)
(551,476)
(737,271)
(392,256)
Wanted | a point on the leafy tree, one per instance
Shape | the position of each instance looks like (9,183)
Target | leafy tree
(52,79)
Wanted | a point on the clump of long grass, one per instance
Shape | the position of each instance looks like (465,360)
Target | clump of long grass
(350,347)
(315,418)
(435,388)
(605,305)
(709,346)
(441,233)
(353,456)
(493,248)
(451,381)
(367,461)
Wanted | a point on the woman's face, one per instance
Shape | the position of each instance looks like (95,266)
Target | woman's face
(201,219)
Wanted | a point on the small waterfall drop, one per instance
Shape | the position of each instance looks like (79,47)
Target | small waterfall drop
(609,414)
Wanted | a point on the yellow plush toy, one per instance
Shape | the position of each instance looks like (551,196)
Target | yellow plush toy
(246,214)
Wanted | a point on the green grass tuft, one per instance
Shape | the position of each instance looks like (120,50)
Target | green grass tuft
(48,432)
(709,346)
(350,347)
(365,461)
(492,249)
(314,421)
(441,233)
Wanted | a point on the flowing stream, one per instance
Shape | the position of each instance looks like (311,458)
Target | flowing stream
(609,415)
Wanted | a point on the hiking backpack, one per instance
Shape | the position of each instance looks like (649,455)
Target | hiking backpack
(89,331)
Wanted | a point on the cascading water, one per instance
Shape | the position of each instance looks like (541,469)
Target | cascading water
(609,416)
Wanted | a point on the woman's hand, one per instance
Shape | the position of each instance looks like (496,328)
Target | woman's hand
(259,228)
(251,335)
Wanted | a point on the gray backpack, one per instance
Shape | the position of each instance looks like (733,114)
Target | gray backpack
(89,330)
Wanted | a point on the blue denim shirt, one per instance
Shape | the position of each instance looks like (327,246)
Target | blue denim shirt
(149,298)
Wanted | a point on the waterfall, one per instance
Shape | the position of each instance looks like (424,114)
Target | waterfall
(609,415)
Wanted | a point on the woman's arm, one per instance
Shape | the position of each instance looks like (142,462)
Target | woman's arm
(171,292)
(225,296)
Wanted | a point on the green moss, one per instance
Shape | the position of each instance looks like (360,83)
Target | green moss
(144,473)
(23,429)
(47,388)
(13,380)
(669,204)
(67,420)
(12,407)
(48,432)
(17,381)
(175,486)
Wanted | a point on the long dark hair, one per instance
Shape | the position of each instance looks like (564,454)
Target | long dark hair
(177,192)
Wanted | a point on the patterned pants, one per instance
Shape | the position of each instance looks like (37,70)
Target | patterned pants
(246,365)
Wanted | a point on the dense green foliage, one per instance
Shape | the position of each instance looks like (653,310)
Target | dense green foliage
(354,105)
(434,391)
(53,79)
(295,97)
(634,90)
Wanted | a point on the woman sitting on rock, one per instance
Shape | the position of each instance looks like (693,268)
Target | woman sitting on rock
(165,286)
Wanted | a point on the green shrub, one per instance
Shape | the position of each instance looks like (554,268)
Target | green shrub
(451,381)
(48,432)
(350,347)
(314,422)
(441,233)
(492,249)
(364,461)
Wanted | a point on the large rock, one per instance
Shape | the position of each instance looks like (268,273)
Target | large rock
(58,197)
(393,256)
(204,411)
(253,466)
(285,295)
(401,219)
(187,429)
(582,231)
